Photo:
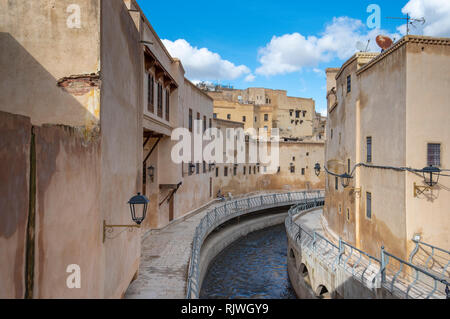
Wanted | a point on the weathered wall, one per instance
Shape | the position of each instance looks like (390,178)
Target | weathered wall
(382,108)
(68,224)
(121,124)
(36,45)
(427,121)
(15,143)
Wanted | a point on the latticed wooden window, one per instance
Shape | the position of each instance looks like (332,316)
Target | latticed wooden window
(160,100)
(151,94)
(434,155)
(167,105)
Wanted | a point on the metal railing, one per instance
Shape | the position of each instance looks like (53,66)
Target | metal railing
(406,280)
(401,278)
(231,209)
(431,258)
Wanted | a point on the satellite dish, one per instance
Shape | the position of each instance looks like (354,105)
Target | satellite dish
(360,46)
(384,42)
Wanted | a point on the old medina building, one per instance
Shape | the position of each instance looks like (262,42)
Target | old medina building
(390,110)
(86,116)
(301,131)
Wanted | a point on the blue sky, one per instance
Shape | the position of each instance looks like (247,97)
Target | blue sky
(279,44)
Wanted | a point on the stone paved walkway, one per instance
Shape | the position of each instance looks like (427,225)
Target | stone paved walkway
(165,261)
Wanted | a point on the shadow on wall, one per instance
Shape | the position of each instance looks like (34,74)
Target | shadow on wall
(27,88)
(39,223)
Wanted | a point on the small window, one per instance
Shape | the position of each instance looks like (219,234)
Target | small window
(369,149)
(160,100)
(254,170)
(266,117)
(349,84)
(190,120)
(291,112)
(235,170)
(340,208)
(245,169)
(293,158)
(244,119)
(228,116)
(217,172)
(434,155)
(348,214)
(151,94)
(336,182)
(204,167)
(215,115)
(249,170)
(331,134)
(297,114)
(256,119)
(369,205)
(348,166)
(197,168)
(204,124)
(225,171)
(307,153)
(210,123)
(303,171)
(292,169)
(167,105)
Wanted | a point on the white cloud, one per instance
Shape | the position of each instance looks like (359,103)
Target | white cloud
(324,112)
(250,78)
(202,63)
(292,52)
(436,14)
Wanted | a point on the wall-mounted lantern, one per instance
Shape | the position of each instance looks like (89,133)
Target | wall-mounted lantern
(431,176)
(151,172)
(138,208)
(317,169)
(191,168)
(430,171)
(345,180)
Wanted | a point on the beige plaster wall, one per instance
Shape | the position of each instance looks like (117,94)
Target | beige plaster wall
(36,45)
(121,123)
(427,121)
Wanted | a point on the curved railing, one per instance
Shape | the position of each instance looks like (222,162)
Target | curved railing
(231,209)
(400,277)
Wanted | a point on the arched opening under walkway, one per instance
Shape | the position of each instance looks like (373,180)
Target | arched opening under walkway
(322,292)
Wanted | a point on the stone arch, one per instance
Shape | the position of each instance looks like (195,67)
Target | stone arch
(322,292)
(293,258)
(304,274)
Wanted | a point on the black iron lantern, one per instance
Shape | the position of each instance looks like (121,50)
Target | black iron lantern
(151,172)
(138,207)
(345,180)
(317,169)
(431,175)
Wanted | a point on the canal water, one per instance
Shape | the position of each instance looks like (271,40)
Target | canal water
(254,267)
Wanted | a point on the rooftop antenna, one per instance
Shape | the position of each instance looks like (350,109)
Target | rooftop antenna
(409,21)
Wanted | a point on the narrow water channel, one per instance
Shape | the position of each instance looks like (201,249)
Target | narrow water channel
(254,267)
